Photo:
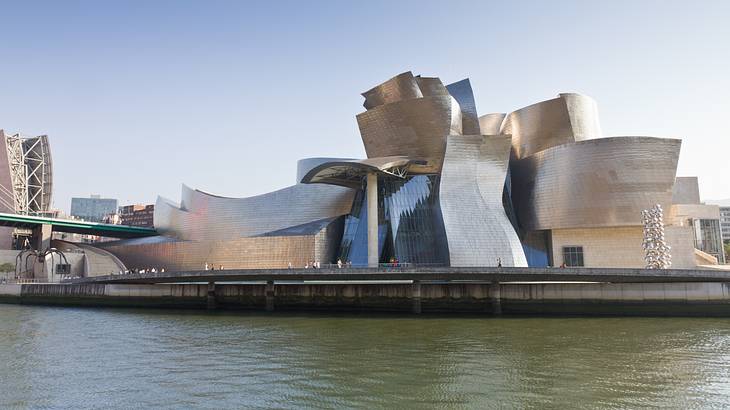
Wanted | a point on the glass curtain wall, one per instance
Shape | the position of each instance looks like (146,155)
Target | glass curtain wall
(410,225)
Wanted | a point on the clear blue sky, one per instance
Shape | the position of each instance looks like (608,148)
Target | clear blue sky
(139,97)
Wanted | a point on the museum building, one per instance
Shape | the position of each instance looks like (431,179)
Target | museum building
(540,186)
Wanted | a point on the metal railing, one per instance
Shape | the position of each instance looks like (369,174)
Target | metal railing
(380,265)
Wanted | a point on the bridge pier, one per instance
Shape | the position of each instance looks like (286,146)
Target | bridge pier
(212,303)
(270,296)
(416,296)
(495,296)
(42,237)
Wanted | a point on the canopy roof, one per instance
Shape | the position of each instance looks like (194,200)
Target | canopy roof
(350,173)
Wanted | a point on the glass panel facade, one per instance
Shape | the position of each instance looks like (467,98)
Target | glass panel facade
(536,246)
(509,208)
(573,255)
(354,247)
(708,237)
(410,223)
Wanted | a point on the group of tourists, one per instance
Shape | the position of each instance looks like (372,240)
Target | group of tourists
(313,265)
(318,265)
(340,264)
(141,270)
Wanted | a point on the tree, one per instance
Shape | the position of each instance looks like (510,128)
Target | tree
(7,267)
(727,251)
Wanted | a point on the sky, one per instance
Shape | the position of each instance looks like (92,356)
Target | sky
(225,96)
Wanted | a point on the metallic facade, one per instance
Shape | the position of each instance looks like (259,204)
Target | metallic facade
(401,87)
(295,225)
(268,251)
(462,92)
(305,165)
(472,180)
(409,124)
(203,216)
(594,183)
(351,173)
(568,118)
(440,185)
(491,124)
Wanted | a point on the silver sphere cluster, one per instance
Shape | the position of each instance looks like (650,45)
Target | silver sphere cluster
(655,246)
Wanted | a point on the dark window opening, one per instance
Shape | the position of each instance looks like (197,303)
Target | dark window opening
(573,255)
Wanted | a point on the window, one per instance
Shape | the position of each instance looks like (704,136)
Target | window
(573,255)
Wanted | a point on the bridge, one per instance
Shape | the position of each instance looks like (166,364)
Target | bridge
(417,274)
(42,228)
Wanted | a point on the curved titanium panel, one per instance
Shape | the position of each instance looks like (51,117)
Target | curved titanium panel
(415,128)
(351,173)
(401,87)
(431,86)
(203,216)
(168,217)
(472,180)
(258,252)
(594,183)
(568,118)
(464,95)
(305,165)
(490,124)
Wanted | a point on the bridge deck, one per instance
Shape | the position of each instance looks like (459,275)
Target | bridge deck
(424,274)
(76,226)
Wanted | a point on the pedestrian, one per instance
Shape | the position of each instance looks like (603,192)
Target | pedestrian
(206,265)
(499,262)
(289,267)
(339,263)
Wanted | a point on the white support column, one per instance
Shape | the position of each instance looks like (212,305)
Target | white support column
(372,199)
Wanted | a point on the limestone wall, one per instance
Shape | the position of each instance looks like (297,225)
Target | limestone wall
(621,247)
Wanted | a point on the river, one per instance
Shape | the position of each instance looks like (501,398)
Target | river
(125,358)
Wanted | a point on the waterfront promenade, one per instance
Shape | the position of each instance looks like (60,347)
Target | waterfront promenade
(417,273)
(490,291)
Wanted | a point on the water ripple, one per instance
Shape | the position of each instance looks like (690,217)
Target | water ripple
(106,358)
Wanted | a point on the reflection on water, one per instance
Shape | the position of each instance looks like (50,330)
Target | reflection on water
(99,358)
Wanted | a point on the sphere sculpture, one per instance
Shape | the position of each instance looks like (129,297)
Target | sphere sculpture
(655,245)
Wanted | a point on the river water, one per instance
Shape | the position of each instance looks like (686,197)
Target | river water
(122,358)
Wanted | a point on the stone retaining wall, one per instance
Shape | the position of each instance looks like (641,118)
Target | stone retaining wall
(695,298)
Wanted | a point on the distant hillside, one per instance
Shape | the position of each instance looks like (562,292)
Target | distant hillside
(721,202)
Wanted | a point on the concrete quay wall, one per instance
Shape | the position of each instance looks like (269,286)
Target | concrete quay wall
(674,299)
